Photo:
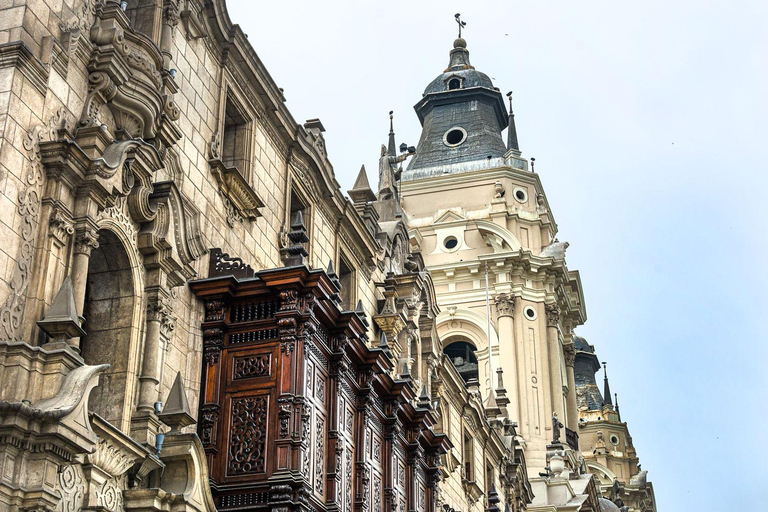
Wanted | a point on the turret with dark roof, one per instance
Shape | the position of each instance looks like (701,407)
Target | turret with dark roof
(462,116)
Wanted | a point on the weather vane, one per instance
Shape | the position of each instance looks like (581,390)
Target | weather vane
(462,24)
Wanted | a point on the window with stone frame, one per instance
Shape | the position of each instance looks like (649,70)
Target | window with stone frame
(468,457)
(236,137)
(346,275)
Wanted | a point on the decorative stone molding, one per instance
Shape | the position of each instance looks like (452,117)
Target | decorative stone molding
(570,354)
(29,210)
(553,314)
(60,225)
(505,304)
(236,190)
(86,241)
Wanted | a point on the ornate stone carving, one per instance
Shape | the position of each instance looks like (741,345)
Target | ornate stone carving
(505,304)
(110,496)
(29,211)
(71,488)
(247,441)
(111,458)
(118,214)
(60,225)
(553,314)
(86,241)
(570,354)
(235,189)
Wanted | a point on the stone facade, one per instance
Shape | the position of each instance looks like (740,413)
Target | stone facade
(161,209)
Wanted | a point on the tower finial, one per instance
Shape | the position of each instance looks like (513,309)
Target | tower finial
(511,129)
(606,387)
(391,150)
(461,24)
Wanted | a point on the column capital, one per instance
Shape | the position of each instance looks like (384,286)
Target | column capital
(553,314)
(505,304)
(86,240)
(569,350)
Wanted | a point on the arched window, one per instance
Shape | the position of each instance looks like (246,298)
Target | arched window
(454,83)
(462,355)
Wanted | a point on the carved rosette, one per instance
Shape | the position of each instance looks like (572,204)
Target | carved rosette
(505,304)
(553,314)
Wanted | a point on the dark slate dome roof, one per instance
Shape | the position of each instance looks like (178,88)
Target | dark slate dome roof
(459,67)
(581,344)
(469,78)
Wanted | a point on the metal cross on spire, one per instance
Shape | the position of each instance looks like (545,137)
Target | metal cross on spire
(461,24)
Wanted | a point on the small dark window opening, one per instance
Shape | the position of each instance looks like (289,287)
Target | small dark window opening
(469,457)
(347,279)
(451,242)
(462,355)
(488,475)
(454,136)
(520,195)
(236,138)
(454,83)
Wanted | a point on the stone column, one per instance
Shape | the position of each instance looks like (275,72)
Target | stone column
(505,308)
(572,418)
(158,313)
(86,239)
(553,341)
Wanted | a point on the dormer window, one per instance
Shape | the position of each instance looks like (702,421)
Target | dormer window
(454,83)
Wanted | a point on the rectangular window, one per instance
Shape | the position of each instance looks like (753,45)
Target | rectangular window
(347,279)
(469,457)
(236,139)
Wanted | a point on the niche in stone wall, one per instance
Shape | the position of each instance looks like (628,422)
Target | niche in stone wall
(110,305)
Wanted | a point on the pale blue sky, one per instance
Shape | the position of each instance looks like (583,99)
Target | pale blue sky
(648,124)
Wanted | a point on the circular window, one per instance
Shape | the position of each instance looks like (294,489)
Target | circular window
(450,242)
(520,195)
(454,137)
(614,439)
(529,313)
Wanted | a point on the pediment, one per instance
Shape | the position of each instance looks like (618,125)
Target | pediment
(449,216)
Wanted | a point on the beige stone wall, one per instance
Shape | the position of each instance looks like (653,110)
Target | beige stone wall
(203,85)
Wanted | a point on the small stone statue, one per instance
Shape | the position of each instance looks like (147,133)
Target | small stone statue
(615,490)
(556,426)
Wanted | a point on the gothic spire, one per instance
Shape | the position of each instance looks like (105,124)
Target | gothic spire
(391,149)
(606,387)
(511,129)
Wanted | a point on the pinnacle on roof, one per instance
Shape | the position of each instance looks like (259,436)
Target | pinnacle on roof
(62,322)
(361,191)
(606,387)
(391,149)
(511,129)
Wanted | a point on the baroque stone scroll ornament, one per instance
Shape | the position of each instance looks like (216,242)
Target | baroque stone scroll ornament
(12,312)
